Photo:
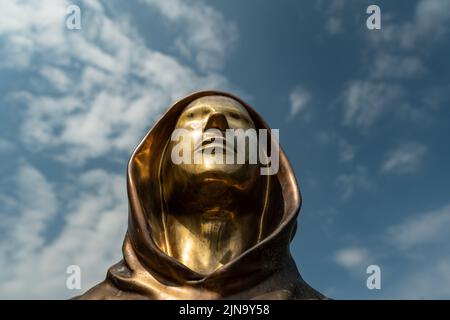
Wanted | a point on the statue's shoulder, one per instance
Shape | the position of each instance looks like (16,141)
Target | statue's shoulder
(309,294)
(107,291)
(306,292)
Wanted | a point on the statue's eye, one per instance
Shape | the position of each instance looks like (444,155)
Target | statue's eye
(205,112)
(235,115)
(190,115)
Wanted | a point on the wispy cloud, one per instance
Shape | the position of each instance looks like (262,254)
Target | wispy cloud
(389,66)
(353,258)
(394,58)
(424,239)
(404,159)
(430,22)
(334,25)
(122,84)
(299,99)
(347,151)
(421,242)
(90,237)
(366,101)
(204,34)
(333,11)
(90,94)
(428,281)
(35,205)
(349,183)
(421,229)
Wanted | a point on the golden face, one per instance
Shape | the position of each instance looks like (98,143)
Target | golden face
(200,111)
(218,113)
(212,211)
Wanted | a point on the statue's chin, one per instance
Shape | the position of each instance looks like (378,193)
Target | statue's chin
(218,214)
(228,173)
(223,169)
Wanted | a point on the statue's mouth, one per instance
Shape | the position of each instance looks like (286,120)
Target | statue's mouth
(218,215)
(215,143)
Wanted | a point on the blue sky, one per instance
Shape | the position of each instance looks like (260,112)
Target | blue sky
(363,117)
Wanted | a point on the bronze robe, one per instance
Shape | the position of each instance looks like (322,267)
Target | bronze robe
(264,271)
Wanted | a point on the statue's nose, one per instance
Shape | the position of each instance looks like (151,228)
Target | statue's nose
(217,121)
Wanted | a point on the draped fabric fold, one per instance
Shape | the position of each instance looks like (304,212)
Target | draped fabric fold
(264,271)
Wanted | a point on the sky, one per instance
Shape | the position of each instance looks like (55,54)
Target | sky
(363,117)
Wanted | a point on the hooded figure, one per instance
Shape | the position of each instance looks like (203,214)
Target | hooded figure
(206,231)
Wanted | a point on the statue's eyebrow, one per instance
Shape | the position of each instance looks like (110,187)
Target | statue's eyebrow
(196,108)
(240,111)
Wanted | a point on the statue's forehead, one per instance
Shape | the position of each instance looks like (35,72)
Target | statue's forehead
(217,103)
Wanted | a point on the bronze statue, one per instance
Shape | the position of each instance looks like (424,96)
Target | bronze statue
(206,230)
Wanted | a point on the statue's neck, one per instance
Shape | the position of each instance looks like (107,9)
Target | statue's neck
(206,225)
(204,244)
(205,240)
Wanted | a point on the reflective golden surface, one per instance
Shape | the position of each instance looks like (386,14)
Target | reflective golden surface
(210,209)
(206,231)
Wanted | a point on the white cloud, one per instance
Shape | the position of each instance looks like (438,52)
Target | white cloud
(325,137)
(430,22)
(111,85)
(429,281)
(349,183)
(353,258)
(423,237)
(30,27)
(33,264)
(56,78)
(421,229)
(299,99)
(205,34)
(333,11)
(37,204)
(92,94)
(333,25)
(433,17)
(394,56)
(404,159)
(388,66)
(346,151)
(365,101)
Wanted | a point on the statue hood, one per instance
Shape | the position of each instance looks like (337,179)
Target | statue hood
(264,271)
